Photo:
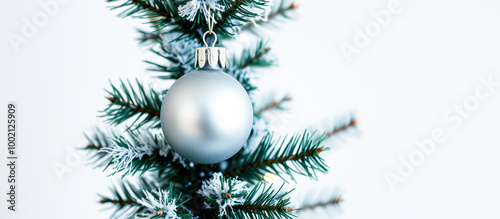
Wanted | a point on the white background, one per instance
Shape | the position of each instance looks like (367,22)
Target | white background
(428,58)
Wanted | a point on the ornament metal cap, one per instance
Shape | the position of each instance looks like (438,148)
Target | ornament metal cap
(215,56)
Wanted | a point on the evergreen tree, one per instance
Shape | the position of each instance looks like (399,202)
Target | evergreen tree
(165,185)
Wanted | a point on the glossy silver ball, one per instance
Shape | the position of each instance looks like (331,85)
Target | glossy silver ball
(206,116)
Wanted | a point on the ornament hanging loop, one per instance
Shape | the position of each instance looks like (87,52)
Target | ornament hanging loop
(205,35)
(213,56)
(210,21)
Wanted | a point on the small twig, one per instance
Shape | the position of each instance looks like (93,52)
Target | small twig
(137,108)
(122,202)
(256,57)
(335,201)
(292,6)
(155,21)
(342,128)
(262,207)
(98,147)
(274,104)
(284,159)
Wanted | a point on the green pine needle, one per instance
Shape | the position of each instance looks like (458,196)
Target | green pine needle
(299,154)
(128,102)
(237,15)
(264,203)
(175,63)
(122,197)
(282,9)
(149,38)
(320,200)
(254,56)
(273,104)
(98,140)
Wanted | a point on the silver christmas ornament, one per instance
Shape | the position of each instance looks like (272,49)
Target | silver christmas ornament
(206,115)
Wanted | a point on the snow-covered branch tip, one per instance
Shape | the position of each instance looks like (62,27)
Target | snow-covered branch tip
(141,151)
(162,204)
(99,138)
(122,194)
(191,8)
(178,57)
(234,199)
(222,194)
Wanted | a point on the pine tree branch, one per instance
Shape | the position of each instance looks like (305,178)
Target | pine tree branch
(263,208)
(284,159)
(264,203)
(255,58)
(162,203)
(134,107)
(94,147)
(123,197)
(238,14)
(274,104)
(353,122)
(129,101)
(146,9)
(178,57)
(142,151)
(322,201)
(252,56)
(149,7)
(98,140)
(272,15)
(165,14)
(231,10)
(233,199)
(335,201)
(146,37)
(298,154)
(120,202)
